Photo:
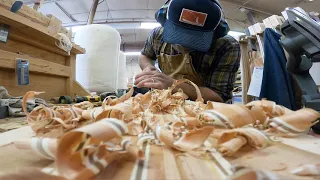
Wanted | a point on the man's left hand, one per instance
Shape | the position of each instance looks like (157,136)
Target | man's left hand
(156,80)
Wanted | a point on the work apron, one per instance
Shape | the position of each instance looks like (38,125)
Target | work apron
(178,66)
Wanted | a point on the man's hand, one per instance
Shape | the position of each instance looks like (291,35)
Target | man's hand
(152,78)
(149,68)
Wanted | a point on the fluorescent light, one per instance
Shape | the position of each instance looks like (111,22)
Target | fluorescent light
(235,33)
(132,53)
(148,25)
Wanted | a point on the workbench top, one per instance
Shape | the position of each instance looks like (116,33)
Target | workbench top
(160,160)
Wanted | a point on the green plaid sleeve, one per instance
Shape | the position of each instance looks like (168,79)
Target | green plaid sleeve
(224,67)
(148,49)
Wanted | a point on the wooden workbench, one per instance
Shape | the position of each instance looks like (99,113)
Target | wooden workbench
(164,163)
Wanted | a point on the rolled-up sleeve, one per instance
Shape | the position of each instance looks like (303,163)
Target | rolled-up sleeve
(226,64)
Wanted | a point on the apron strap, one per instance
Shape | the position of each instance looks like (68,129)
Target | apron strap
(163,48)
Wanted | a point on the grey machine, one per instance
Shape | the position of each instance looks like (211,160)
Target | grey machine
(302,42)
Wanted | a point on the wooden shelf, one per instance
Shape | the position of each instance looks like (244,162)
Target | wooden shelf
(35,31)
(51,69)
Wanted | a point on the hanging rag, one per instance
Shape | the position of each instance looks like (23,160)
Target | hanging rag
(277,83)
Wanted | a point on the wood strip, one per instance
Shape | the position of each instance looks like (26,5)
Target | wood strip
(156,163)
(19,47)
(71,63)
(245,73)
(170,167)
(8,60)
(260,41)
(194,168)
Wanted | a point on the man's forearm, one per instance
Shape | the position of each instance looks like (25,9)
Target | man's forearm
(207,94)
(144,62)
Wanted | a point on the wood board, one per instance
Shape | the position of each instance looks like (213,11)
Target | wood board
(22,48)
(52,85)
(275,157)
(165,163)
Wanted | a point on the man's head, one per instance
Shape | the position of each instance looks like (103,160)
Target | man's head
(191,23)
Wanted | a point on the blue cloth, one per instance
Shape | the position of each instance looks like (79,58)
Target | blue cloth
(277,83)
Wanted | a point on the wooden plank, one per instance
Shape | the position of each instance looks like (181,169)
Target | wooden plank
(176,165)
(79,90)
(17,134)
(304,142)
(37,17)
(34,30)
(54,25)
(245,73)
(27,12)
(274,157)
(71,63)
(53,85)
(16,46)
(8,59)
(13,160)
(20,36)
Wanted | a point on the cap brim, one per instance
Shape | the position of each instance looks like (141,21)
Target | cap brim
(194,39)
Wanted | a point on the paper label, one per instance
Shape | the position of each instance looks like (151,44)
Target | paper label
(4,32)
(256,82)
(22,72)
(193,17)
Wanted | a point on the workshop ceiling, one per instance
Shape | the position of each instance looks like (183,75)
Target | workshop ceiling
(126,15)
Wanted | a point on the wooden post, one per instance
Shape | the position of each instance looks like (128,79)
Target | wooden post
(93,11)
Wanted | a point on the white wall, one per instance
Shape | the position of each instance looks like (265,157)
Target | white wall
(132,67)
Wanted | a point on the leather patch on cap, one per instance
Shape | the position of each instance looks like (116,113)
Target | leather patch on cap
(193,17)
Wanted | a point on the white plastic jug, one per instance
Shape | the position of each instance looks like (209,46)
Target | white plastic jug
(97,70)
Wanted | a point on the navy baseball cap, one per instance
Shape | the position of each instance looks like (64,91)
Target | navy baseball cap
(191,23)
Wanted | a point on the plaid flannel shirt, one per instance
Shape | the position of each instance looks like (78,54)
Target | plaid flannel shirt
(217,67)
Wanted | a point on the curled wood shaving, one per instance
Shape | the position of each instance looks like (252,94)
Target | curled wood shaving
(294,123)
(94,147)
(231,141)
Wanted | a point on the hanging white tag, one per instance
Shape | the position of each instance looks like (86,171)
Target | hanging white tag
(256,82)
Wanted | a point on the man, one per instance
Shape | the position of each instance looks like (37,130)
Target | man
(186,48)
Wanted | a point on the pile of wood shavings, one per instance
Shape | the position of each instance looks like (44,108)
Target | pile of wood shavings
(159,116)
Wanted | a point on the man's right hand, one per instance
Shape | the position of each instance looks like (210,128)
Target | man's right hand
(149,70)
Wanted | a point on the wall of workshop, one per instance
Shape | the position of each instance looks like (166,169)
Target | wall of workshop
(132,67)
